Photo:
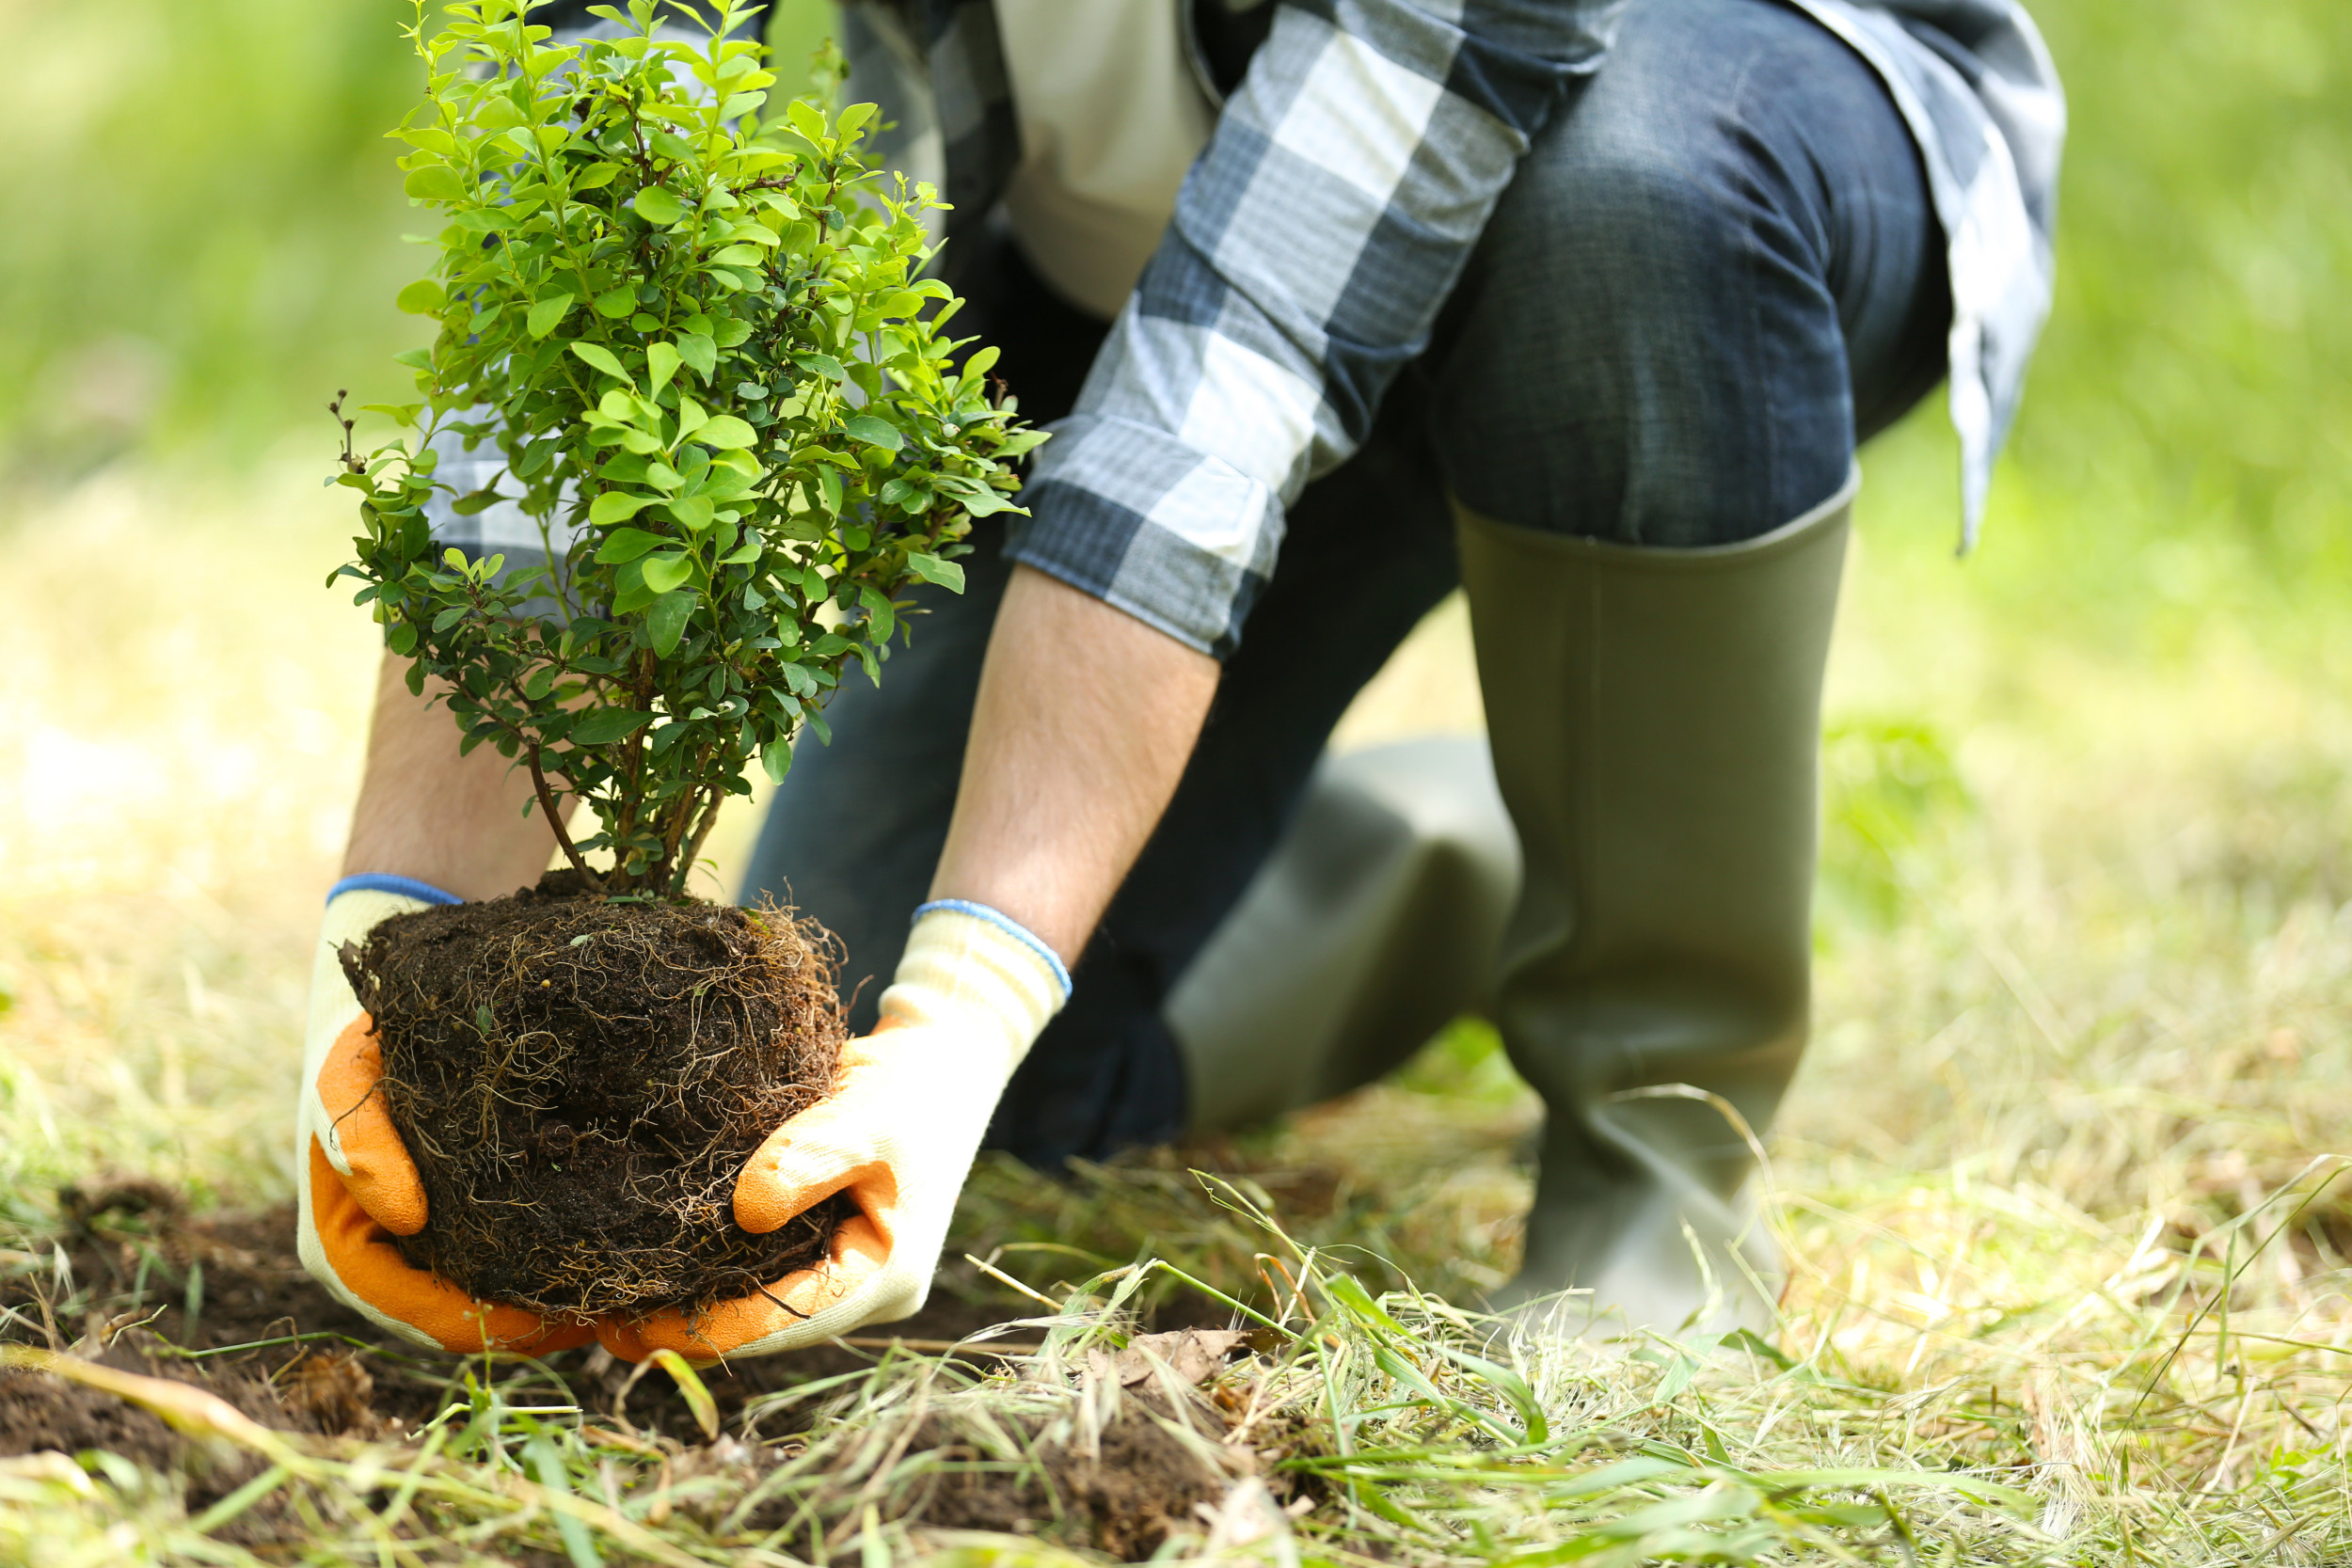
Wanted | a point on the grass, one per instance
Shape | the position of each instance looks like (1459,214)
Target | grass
(2070,1239)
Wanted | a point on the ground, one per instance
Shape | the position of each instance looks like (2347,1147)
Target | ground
(2057,1180)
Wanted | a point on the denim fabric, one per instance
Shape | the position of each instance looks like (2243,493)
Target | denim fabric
(1715,271)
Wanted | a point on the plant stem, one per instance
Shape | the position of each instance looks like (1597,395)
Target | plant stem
(694,843)
(555,820)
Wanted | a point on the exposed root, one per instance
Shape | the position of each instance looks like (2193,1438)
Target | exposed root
(579,1082)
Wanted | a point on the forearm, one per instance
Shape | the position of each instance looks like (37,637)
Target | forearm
(1085,719)
(425,811)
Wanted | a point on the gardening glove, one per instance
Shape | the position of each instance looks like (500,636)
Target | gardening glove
(357,1186)
(910,1103)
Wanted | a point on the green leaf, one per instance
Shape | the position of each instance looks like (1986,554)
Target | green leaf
(662,362)
(979,499)
(873,431)
(690,1388)
(739,256)
(629,594)
(616,506)
(665,619)
(434,182)
(617,303)
(820,364)
(699,351)
(627,543)
(657,206)
(602,359)
(947,574)
(695,511)
(726,433)
(777,757)
(602,726)
(804,118)
(546,313)
(882,617)
(548,1465)
(665,572)
(422,297)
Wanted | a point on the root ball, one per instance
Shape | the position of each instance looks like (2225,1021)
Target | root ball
(581,1081)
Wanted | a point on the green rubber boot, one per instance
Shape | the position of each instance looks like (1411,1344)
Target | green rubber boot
(1655,717)
(1373,925)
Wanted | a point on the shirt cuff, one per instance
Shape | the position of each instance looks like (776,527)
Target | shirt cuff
(1177,538)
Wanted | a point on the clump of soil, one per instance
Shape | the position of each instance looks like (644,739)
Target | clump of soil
(579,1082)
(135,1283)
(1125,1493)
(231,1285)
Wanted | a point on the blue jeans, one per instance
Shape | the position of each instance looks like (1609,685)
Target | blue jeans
(1716,272)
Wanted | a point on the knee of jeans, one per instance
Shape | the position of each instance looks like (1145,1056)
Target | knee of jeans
(1620,213)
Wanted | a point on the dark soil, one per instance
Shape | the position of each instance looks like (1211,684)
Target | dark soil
(133,1255)
(1139,1485)
(581,1081)
(143,1285)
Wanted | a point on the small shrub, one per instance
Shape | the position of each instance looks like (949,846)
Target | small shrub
(699,344)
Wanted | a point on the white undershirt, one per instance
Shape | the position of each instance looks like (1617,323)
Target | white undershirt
(1110,118)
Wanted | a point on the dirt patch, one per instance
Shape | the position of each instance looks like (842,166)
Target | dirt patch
(222,1302)
(1124,1493)
(229,1286)
(581,1081)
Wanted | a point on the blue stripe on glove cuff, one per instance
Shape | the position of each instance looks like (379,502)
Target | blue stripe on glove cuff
(1007,924)
(407,887)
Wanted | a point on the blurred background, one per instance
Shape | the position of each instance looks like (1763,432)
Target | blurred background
(2084,924)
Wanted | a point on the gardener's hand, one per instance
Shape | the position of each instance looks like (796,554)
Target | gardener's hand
(357,1186)
(898,1135)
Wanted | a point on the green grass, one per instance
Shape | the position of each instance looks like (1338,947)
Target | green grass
(2048,1174)
(2058,1174)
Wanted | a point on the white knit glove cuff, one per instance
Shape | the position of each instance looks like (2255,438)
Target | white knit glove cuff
(352,910)
(980,973)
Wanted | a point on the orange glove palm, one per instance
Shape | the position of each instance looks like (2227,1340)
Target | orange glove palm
(356,1187)
(898,1135)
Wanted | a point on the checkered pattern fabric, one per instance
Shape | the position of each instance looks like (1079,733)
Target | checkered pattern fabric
(1311,249)
(1326,223)
(1327,219)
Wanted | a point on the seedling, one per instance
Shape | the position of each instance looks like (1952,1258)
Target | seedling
(698,340)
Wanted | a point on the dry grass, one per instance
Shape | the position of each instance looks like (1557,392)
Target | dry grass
(2057,1170)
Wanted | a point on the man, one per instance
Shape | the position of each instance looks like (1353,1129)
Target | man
(1585,307)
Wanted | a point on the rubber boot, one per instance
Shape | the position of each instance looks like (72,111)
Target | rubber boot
(1372,925)
(1654,717)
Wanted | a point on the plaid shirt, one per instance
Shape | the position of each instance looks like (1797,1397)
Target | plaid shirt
(1246,364)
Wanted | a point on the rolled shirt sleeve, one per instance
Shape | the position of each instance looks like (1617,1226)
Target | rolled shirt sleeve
(1312,243)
